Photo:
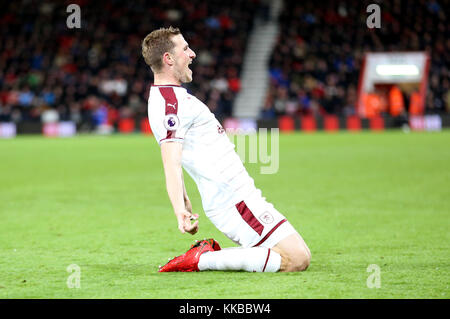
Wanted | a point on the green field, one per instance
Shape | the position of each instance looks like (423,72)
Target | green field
(100,203)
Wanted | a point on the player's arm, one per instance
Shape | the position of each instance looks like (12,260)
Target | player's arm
(187,202)
(171,157)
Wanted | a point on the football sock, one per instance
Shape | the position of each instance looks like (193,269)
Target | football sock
(256,259)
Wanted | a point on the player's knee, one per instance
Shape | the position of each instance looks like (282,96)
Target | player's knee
(298,261)
(301,261)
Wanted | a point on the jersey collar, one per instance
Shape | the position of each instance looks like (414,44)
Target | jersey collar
(163,85)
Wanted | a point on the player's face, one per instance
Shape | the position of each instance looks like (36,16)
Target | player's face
(183,56)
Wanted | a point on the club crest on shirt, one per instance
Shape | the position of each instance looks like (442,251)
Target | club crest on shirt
(171,122)
(266,218)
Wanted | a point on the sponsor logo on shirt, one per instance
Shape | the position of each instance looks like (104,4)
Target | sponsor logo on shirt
(174,105)
(171,122)
(266,218)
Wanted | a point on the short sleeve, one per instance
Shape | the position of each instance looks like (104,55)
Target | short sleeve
(173,118)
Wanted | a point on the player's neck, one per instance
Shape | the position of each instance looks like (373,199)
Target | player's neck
(165,79)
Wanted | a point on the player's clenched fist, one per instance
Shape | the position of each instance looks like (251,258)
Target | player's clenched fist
(184,222)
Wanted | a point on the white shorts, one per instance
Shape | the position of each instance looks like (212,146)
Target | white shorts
(252,222)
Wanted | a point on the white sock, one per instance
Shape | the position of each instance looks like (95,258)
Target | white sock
(256,259)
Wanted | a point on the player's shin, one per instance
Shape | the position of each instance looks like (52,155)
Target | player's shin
(257,259)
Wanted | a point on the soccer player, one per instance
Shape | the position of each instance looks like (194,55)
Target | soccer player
(190,136)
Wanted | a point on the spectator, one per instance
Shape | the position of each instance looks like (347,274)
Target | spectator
(321,46)
(89,73)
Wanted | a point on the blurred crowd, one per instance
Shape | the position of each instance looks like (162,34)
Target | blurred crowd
(316,63)
(95,74)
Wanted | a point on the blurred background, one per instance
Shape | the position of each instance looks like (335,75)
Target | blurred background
(297,65)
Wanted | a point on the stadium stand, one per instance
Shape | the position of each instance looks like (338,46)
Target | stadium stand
(96,75)
(316,63)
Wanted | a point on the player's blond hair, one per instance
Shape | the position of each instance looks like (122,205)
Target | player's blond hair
(155,44)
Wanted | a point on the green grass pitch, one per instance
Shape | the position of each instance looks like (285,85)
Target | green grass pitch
(100,203)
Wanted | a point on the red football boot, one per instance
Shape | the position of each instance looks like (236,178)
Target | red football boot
(214,244)
(188,262)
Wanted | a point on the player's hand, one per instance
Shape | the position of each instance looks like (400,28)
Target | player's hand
(184,222)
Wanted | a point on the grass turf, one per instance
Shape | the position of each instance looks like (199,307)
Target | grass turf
(101,203)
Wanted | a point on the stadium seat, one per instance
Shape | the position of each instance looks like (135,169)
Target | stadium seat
(308,123)
(353,123)
(145,126)
(286,124)
(331,123)
(126,125)
(377,123)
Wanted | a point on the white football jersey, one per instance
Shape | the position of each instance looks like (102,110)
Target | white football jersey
(208,155)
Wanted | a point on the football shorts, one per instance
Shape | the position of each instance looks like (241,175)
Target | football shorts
(252,222)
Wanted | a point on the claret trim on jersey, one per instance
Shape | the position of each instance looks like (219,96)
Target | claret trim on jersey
(167,85)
